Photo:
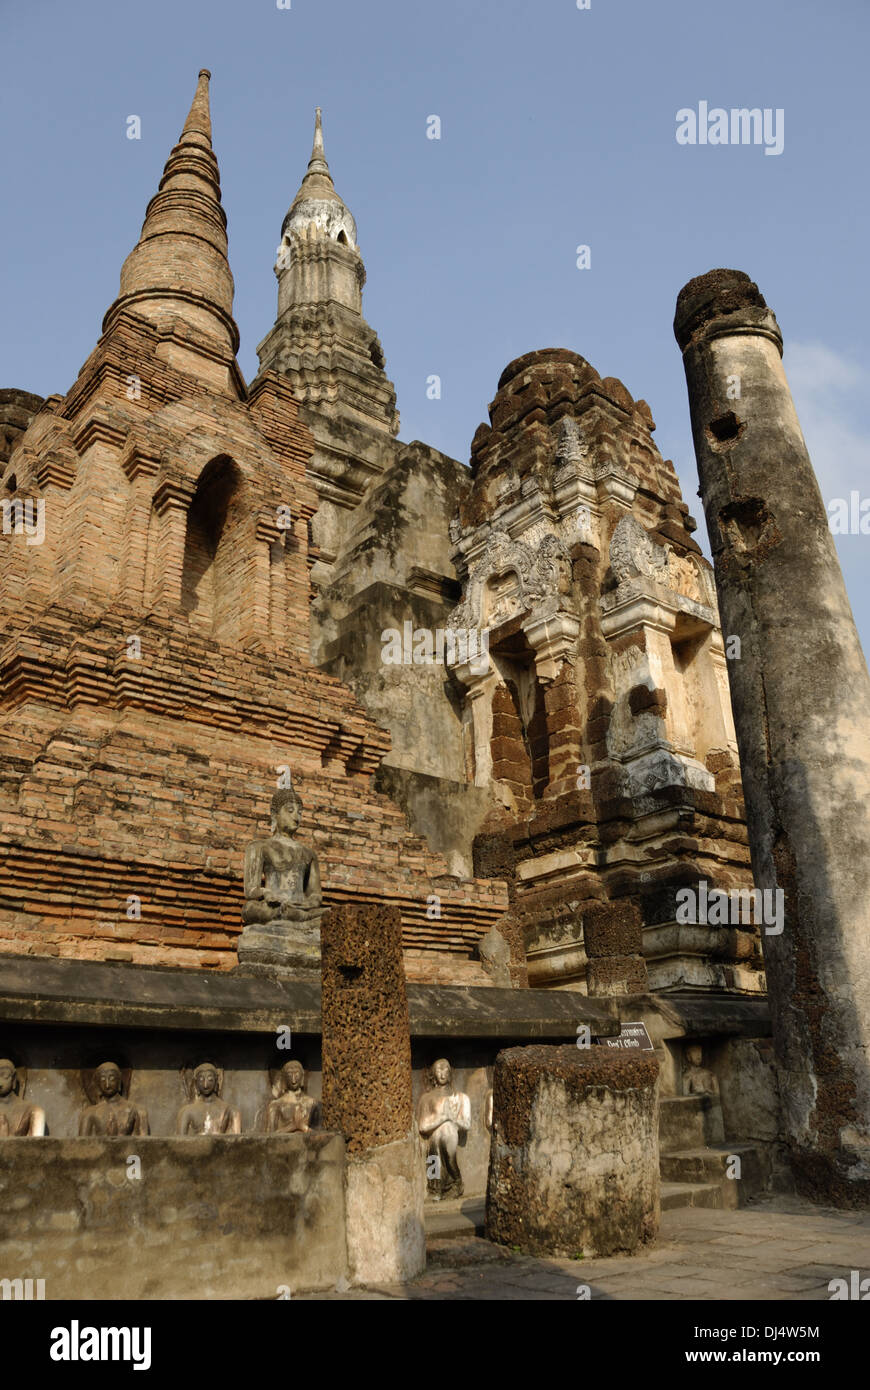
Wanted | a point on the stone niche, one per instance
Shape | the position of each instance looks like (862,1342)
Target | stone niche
(248,1074)
(73,1214)
(472,1068)
(156,1066)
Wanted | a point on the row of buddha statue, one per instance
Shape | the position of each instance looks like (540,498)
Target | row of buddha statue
(110,1112)
(443,1113)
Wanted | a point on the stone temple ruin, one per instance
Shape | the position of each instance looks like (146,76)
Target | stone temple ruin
(332,770)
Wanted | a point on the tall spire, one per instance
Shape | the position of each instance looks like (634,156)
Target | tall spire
(320,342)
(179,268)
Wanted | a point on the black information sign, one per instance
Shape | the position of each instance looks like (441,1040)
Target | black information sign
(631,1035)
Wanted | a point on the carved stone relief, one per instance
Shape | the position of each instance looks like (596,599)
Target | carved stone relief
(633,554)
(509,578)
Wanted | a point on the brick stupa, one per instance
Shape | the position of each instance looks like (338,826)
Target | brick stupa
(154,664)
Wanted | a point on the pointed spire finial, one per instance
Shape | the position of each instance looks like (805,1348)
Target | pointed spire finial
(199,117)
(317,163)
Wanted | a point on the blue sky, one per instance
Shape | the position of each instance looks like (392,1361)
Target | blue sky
(558,128)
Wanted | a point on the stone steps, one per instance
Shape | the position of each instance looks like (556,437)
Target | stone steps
(457,1219)
(694,1157)
(684,1194)
(712,1164)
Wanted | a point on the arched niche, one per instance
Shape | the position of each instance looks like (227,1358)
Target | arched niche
(215,551)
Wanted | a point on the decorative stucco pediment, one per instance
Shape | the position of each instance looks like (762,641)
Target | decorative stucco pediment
(653,581)
(634,555)
(509,578)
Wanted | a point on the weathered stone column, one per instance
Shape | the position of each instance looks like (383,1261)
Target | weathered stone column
(801,697)
(367,1092)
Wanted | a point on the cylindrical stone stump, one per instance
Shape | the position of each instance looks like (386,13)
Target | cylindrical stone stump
(574,1161)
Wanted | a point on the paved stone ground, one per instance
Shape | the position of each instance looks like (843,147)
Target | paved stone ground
(777,1248)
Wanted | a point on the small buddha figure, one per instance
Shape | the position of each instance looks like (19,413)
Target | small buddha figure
(292,1111)
(443,1119)
(698,1080)
(112,1114)
(18,1119)
(283,902)
(207,1113)
(487,1110)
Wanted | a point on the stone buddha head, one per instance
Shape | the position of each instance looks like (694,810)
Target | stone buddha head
(8,1077)
(286,811)
(293,1076)
(441,1073)
(206,1080)
(109,1082)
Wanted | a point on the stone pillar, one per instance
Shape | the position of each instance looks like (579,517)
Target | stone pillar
(801,698)
(367,1090)
(574,1160)
(613,937)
